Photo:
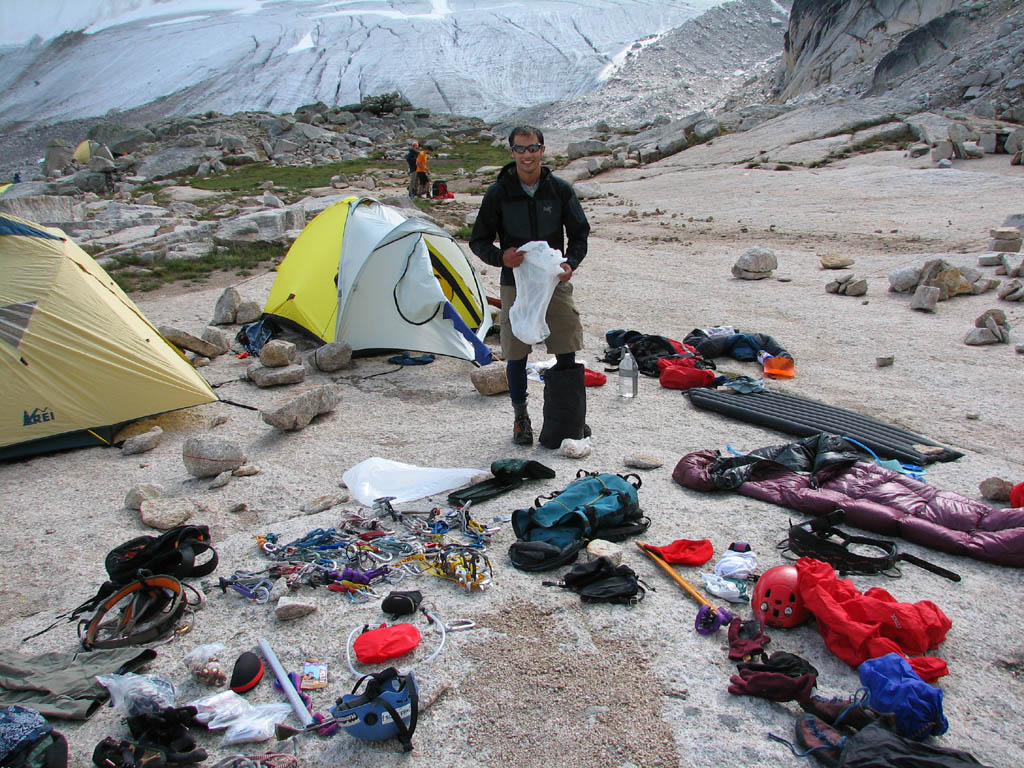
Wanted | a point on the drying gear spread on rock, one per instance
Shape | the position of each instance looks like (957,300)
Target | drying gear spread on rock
(593,506)
(783,677)
(685,551)
(896,689)
(817,473)
(388,707)
(509,474)
(747,639)
(777,601)
(740,346)
(28,741)
(601,581)
(857,627)
(820,539)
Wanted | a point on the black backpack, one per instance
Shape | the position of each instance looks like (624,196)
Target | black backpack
(593,506)
(601,581)
(173,553)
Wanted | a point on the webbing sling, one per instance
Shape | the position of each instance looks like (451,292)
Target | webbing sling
(820,539)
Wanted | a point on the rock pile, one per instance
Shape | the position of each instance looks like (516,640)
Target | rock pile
(991,327)
(938,280)
(848,285)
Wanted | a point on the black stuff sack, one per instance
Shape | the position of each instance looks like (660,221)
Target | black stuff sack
(399,603)
(601,581)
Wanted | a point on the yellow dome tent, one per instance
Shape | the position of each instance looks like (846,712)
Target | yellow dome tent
(363,273)
(77,357)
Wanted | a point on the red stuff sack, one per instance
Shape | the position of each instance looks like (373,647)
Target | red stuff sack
(384,642)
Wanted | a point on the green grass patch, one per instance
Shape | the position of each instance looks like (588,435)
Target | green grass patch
(248,178)
(242,260)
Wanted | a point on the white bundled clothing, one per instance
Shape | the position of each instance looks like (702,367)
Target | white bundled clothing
(536,279)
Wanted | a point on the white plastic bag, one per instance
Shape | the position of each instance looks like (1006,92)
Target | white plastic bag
(536,279)
(376,477)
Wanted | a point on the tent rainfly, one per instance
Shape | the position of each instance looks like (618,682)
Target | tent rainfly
(363,273)
(77,357)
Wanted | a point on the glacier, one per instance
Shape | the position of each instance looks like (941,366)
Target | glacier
(69,59)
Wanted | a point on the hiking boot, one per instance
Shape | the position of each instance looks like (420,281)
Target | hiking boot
(851,713)
(820,739)
(522,431)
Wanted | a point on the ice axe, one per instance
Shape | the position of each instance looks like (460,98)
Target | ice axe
(709,618)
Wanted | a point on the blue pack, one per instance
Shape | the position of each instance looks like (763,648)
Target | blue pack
(594,506)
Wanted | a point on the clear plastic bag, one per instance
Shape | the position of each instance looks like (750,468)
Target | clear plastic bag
(204,662)
(536,279)
(257,724)
(376,477)
(218,710)
(138,694)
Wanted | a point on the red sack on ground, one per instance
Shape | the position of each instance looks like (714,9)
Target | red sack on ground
(1017,495)
(593,378)
(857,627)
(384,642)
(685,551)
(683,374)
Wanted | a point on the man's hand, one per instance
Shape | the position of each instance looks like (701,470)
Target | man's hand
(512,257)
(566,272)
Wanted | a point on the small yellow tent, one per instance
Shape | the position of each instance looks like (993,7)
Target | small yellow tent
(77,357)
(83,152)
(363,273)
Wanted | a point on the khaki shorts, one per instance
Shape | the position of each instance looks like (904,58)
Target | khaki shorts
(562,318)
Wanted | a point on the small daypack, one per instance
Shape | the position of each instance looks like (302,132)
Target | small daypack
(601,581)
(174,552)
(593,506)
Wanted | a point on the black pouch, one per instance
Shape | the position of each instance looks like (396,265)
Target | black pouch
(601,581)
(401,603)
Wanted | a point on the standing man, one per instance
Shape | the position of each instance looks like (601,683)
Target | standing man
(421,173)
(527,203)
(410,159)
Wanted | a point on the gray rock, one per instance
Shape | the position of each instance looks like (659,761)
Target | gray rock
(332,356)
(995,314)
(272,201)
(187,341)
(1008,289)
(942,151)
(301,410)
(856,287)
(756,264)
(980,336)
(831,261)
(226,307)
(577,149)
(587,189)
(323,503)
(147,441)
(642,461)
(278,353)
(246,470)
(990,259)
(995,489)
(248,312)
(925,298)
(218,339)
(165,513)
(264,377)
(490,379)
(208,456)
(905,279)
(140,493)
(289,608)
(268,226)
(220,480)
(1005,233)
(1004,246)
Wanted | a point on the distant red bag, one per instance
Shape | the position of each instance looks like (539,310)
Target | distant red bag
(384,642)
(1017,495)
(593,378)
(682,373)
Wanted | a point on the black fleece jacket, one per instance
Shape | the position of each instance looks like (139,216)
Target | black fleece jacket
(553,214)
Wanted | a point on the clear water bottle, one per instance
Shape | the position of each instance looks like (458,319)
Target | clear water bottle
(629,375)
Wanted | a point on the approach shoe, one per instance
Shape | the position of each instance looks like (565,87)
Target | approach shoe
(819,739)
(849,713)
(522,431)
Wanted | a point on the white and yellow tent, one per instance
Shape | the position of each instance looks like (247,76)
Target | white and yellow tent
(77,357)
(363,273)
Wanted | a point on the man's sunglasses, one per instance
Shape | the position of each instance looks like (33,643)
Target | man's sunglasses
(520,148)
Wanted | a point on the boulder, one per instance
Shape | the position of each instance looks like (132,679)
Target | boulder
(490,379)
(165,513)
(332,356)
(187,341)
(226,307)
(298,412)
(147,441)
(139,493)
(208,456)
(756,264)
(277,353)
(264,377)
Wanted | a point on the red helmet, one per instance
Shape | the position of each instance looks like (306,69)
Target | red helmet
(776,600)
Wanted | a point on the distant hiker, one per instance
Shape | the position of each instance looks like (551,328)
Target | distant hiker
(422,179)
(410,158)
(527,203)
(16,179)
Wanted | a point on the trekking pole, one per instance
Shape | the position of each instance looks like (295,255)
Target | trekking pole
(709,619)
